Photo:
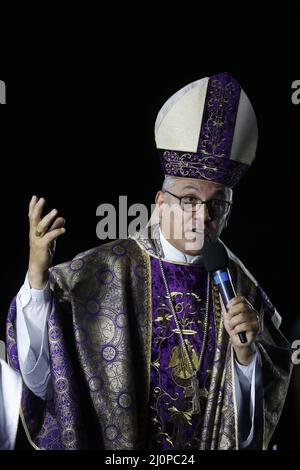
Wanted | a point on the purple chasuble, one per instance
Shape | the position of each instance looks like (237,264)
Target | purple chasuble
(172,424)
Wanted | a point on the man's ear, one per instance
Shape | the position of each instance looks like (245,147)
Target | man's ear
(159,199)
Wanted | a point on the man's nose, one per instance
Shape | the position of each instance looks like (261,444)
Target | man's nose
(203,213)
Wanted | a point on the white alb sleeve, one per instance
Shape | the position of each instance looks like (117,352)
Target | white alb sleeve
(245,385)
(33,308)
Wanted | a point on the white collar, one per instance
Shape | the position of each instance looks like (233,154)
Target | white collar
(173,254)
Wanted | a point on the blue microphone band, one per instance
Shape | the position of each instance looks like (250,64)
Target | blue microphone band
(221,276)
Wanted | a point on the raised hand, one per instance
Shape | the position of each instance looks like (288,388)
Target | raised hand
(43,233)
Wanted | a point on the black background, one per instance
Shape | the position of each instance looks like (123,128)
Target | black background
(84,85)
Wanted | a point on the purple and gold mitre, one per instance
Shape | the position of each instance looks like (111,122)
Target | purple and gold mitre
(207,130)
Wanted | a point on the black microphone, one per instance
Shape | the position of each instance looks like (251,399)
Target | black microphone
(216,262)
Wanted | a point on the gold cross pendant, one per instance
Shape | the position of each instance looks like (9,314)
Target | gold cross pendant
(198,393)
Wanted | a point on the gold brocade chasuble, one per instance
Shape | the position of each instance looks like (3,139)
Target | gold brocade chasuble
(107,292)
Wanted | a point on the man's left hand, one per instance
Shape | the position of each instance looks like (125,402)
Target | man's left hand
(241,316)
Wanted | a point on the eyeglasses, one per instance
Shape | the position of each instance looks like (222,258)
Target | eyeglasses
(217,208)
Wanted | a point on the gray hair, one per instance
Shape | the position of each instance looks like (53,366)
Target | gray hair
(168,182)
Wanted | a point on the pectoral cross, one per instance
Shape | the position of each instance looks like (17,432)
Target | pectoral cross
(196,393)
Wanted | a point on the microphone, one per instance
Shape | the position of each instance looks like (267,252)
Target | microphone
(216,262)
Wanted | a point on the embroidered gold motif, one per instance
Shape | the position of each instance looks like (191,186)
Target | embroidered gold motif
(181,367)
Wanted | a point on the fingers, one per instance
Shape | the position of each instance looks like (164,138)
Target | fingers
(58,223)
(235,319)
(53,234)
(243,324)
(236,300)
(43,225)
(241,316)
(239,304)
(35,209)
(240,309)
(245,327)
(32,203)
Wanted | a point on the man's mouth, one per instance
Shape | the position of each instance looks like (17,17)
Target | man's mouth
(199,231)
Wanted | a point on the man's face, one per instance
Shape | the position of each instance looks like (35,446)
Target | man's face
(187,223)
